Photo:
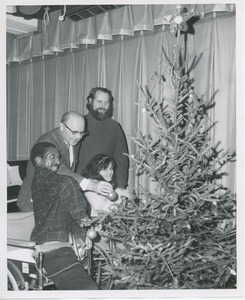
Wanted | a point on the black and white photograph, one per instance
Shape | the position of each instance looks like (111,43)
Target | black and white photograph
(123,162)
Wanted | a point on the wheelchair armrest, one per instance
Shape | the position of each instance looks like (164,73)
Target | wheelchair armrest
(21,243)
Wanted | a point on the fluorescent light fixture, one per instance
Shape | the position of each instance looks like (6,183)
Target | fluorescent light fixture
(19,25)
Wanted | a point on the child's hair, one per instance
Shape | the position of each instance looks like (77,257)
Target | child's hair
(96,164)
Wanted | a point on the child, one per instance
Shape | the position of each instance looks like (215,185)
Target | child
(102,167)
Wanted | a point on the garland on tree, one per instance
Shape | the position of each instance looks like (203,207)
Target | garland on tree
(183,235)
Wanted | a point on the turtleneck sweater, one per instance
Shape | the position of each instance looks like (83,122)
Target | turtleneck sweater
(105,137)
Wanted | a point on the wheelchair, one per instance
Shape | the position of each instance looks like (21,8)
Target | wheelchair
(25,273)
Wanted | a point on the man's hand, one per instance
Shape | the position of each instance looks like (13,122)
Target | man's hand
(80,243)
(100,187)
(85,222)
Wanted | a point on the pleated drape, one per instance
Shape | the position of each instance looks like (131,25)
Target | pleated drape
(56,36)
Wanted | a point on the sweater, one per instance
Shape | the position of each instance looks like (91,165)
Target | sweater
(105,137)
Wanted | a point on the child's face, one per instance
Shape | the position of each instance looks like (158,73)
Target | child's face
(107,173)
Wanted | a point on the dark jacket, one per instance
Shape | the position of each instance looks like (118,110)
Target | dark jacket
(54,136)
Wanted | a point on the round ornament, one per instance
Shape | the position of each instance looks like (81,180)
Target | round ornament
(112,196)
(91,234)
(178,20)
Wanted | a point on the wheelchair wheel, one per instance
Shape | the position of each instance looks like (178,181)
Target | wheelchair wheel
(100,260)
(95,263)
(16,280)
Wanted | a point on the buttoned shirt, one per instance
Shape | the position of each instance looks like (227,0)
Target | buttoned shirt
(59,207)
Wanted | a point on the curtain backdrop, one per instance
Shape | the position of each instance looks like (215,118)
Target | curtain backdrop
(57,36)
(40,88)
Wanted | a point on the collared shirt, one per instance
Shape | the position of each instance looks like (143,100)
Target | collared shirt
(84,182)
(59,206)
(71,153)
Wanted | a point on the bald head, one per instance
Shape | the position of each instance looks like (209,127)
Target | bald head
(72,127)
(71,115)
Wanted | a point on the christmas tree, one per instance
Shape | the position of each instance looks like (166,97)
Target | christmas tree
(182,234)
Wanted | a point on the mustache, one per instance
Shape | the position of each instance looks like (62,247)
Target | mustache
(100,109)
(100,114)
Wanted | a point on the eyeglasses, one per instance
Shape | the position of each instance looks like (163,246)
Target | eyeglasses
(81,133)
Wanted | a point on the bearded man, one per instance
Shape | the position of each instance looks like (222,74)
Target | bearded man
(106,135)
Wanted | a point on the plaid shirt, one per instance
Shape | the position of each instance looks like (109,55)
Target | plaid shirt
(59,206)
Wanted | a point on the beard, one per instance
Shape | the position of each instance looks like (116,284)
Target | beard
(101,114)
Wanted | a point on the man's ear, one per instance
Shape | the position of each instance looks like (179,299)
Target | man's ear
(90,100)
(38,161)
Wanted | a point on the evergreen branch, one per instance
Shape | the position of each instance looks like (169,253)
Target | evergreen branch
(176,284)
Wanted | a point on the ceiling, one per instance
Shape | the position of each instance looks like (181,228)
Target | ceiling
(78,12)
(74,12)
(27,19)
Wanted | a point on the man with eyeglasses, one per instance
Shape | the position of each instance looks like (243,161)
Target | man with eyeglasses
(67,139)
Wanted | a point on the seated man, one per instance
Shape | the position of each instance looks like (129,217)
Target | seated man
(59,209)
